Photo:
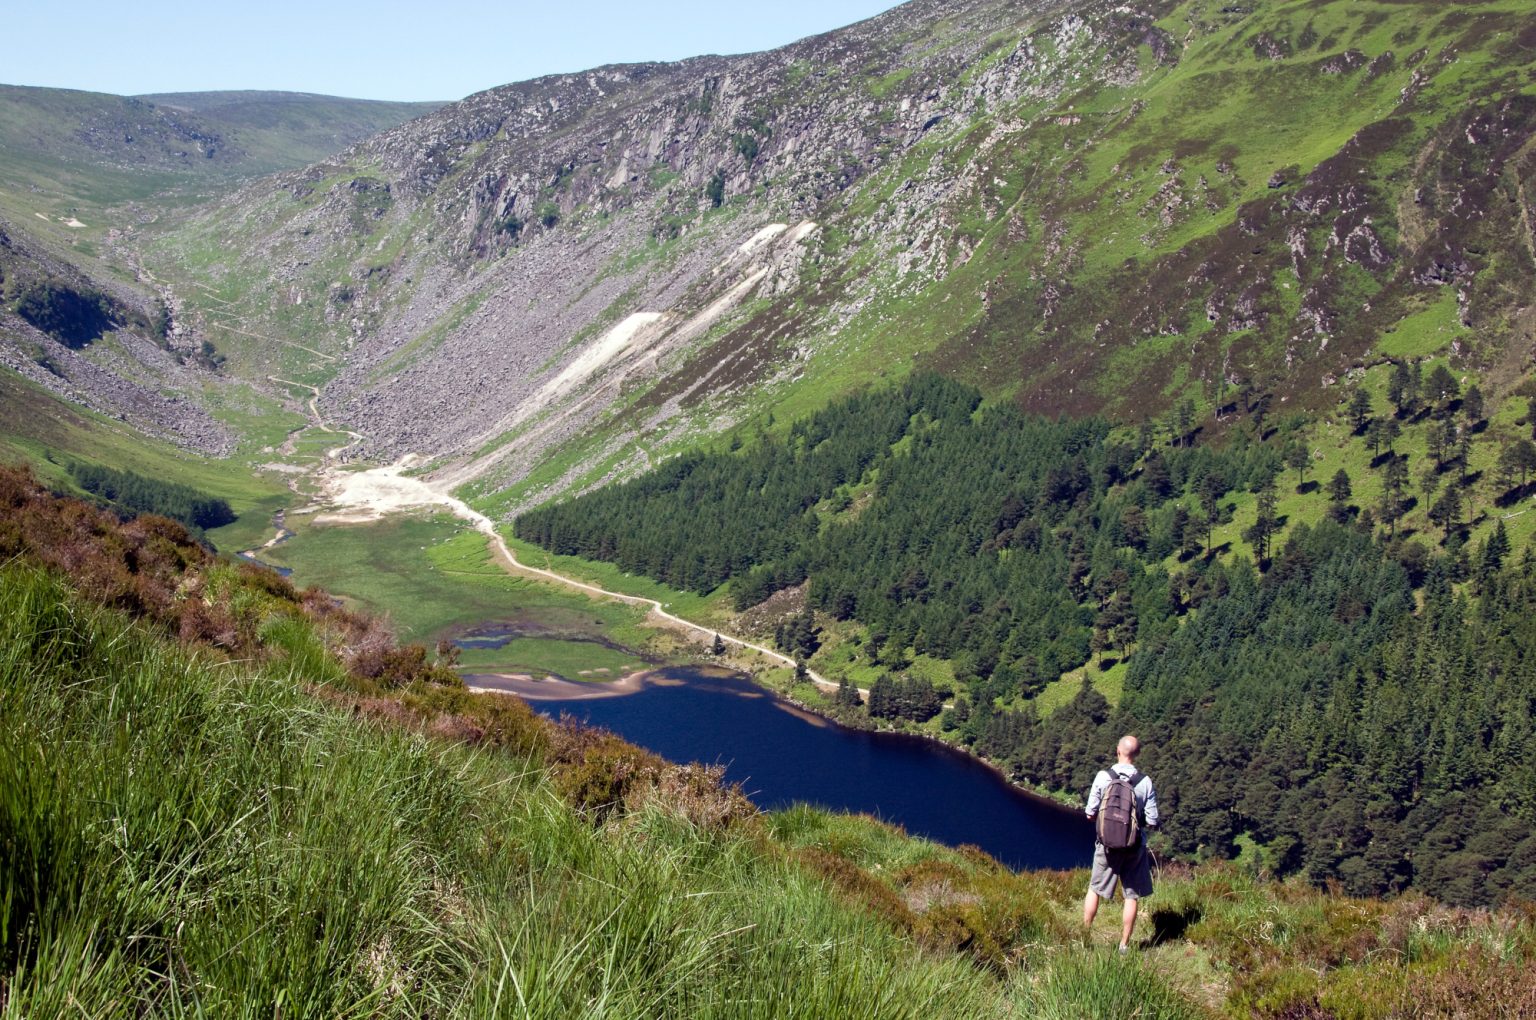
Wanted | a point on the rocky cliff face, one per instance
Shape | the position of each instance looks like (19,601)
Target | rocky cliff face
(1087,205)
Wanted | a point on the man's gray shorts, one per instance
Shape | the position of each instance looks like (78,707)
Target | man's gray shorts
(1132,869)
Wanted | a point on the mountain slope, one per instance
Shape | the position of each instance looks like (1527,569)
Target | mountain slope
(100,148)
(1082,206)
(283,130)
(80,172)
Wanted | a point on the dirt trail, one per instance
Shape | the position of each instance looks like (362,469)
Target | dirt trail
(371,494)
(276,340)
(320,422)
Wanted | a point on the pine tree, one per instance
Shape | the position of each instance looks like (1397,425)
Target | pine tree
(1516,462)
(1155,475)
(1125,629)
(802,634)
(1442,388)
(1196,533)
(1390,431)
(1299,458)
(1429,481)
(1472,405)
(1400,388)
(1394,485)
(1185,418)
(1178,523)
(1133,527)
(1491,555)
(881,698)
(1382,433)
(1211,490)
(1447,510)
(847,695)
(1339,494)
(1108,625)
(1437,443)
(1360,410)
(1266,523)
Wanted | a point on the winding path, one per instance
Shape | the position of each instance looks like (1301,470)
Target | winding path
(406,490)
(487,527)
(320,423)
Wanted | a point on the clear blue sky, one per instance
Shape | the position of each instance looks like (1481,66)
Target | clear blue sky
(438,49)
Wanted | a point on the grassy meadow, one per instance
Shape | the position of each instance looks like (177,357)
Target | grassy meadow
(433,578)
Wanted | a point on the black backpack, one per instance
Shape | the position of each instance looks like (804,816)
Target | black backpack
(1119,821)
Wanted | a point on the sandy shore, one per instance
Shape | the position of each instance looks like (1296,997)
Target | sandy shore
(554,689)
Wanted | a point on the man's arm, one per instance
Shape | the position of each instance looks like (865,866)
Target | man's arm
(1149,810)
(1096,794)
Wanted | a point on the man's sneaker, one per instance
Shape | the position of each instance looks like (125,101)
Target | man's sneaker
(1125,950)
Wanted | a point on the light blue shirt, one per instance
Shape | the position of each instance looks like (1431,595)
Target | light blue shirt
(1146,797)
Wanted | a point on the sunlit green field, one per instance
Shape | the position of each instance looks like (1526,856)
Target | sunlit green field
(433,578)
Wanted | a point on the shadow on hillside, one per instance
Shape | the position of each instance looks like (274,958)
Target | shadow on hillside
(1172,925)
(1515,495)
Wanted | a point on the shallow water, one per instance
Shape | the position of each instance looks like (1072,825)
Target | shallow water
(782,755)
(284,571)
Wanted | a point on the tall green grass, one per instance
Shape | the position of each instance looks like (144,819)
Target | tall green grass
(1102,985)
(182,836)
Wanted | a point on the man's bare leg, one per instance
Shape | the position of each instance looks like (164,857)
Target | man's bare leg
(1090,908)
(1127,921)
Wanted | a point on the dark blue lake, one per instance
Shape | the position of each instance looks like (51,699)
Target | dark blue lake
(781,756)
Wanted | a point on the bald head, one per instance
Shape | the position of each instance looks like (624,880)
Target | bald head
(1128,748)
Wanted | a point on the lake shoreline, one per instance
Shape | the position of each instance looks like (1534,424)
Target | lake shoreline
(965,752)
(554,688)
(536,689)
(784,755)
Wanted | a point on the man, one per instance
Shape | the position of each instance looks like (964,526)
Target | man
(1130,868)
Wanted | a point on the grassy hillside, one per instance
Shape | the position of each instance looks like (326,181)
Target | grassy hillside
(47,433)
(80,174)
(241,849)
(245,824)
(103,149)
(72,162)
(283,130)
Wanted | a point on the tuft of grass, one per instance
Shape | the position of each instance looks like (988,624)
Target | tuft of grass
(1101,985)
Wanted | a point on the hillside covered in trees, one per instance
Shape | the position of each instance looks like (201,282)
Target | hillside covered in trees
(1348,696)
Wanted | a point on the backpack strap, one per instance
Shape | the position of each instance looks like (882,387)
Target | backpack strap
(1134,779)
